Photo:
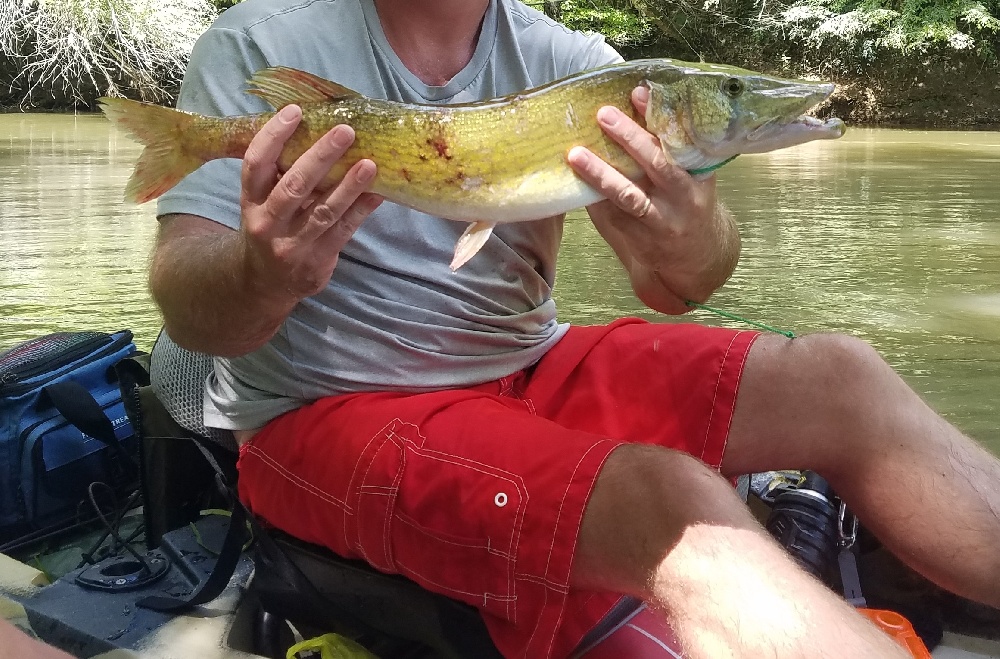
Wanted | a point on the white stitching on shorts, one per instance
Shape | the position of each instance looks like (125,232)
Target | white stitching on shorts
(488,470)
(538,623)
(295,479)
(715,395)
(405,519)
(514,541)
(563,503)
(387,434)
(542,581)
(399,441)
(403,569)
(530,406)
(386,535)
(739,378)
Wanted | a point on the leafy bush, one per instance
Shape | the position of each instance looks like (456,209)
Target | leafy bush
(907,27)
(68,52)
(623,27)
(854,33)
(620,24)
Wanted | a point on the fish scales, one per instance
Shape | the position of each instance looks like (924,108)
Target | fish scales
(467,162)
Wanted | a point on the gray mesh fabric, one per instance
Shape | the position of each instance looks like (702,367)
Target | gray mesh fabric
(178,380)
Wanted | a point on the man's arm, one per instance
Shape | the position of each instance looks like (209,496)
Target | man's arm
(15,643)
(674,238)
(199,281)
(226,292)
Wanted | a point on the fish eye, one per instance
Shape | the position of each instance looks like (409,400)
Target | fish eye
(733,87)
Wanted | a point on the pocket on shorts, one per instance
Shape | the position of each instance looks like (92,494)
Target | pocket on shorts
(449,523)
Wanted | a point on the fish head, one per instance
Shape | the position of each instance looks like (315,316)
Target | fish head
(712,113)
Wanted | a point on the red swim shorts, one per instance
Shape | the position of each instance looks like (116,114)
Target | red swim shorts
(479,493)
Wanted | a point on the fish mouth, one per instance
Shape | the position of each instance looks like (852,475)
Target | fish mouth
(777,134)
(793,130)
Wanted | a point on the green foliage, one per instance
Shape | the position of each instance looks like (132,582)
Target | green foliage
(67,52)
(845,36)
(618,20)
(620,24)
(907,27)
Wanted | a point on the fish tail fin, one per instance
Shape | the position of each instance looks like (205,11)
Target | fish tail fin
(164,161)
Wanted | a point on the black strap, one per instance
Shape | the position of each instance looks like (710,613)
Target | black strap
(228,557)
(850,578)
(78,406)
(275,564)
(218,579)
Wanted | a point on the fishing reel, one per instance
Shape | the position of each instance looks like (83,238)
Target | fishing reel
(808,519)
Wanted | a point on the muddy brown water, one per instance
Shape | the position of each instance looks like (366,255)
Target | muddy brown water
(891,236)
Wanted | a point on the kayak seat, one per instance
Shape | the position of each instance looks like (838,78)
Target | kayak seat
(294,582)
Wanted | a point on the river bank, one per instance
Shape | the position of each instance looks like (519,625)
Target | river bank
(905,65)
(931,94)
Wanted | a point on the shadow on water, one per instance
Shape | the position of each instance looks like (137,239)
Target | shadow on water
(891,236)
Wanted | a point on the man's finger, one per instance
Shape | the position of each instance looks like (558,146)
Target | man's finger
(311,168)
(643,146)
(260,168)
(341,231)
(640,99)
(330,209)
(607,180)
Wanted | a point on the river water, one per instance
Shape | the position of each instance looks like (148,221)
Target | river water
(891,236)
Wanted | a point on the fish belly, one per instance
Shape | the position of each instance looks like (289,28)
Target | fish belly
(532,197)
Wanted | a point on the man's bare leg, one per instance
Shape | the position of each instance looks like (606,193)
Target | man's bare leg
(831,404)
(662,526)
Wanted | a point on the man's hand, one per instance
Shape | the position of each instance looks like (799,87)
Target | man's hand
(292,230)
(674,239)
(226,292)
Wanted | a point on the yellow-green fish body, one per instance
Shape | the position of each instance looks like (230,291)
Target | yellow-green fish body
(501,160)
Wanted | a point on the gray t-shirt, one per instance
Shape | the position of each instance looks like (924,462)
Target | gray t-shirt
(393,316)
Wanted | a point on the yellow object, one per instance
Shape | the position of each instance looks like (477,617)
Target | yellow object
(331,646)
(18,578)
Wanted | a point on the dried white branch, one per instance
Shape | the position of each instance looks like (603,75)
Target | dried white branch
(78,49)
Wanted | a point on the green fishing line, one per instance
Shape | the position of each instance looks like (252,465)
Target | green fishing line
(712,168)
(732,316)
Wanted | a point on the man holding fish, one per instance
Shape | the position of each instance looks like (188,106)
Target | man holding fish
(442,425)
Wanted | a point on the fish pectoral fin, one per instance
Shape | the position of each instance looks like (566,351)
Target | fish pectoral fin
(470,242)
(283,85)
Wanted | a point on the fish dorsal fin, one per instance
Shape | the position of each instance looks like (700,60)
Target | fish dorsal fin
(282,85)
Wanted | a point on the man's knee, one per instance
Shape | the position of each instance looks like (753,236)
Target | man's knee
(849,358)
(835,364)
(811,403)
(643,501)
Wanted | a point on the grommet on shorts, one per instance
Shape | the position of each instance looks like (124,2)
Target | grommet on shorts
(500,499)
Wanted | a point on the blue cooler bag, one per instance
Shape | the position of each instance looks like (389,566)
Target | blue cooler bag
(63,427)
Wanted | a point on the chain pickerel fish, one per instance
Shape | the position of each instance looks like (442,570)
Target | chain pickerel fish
(501,160)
